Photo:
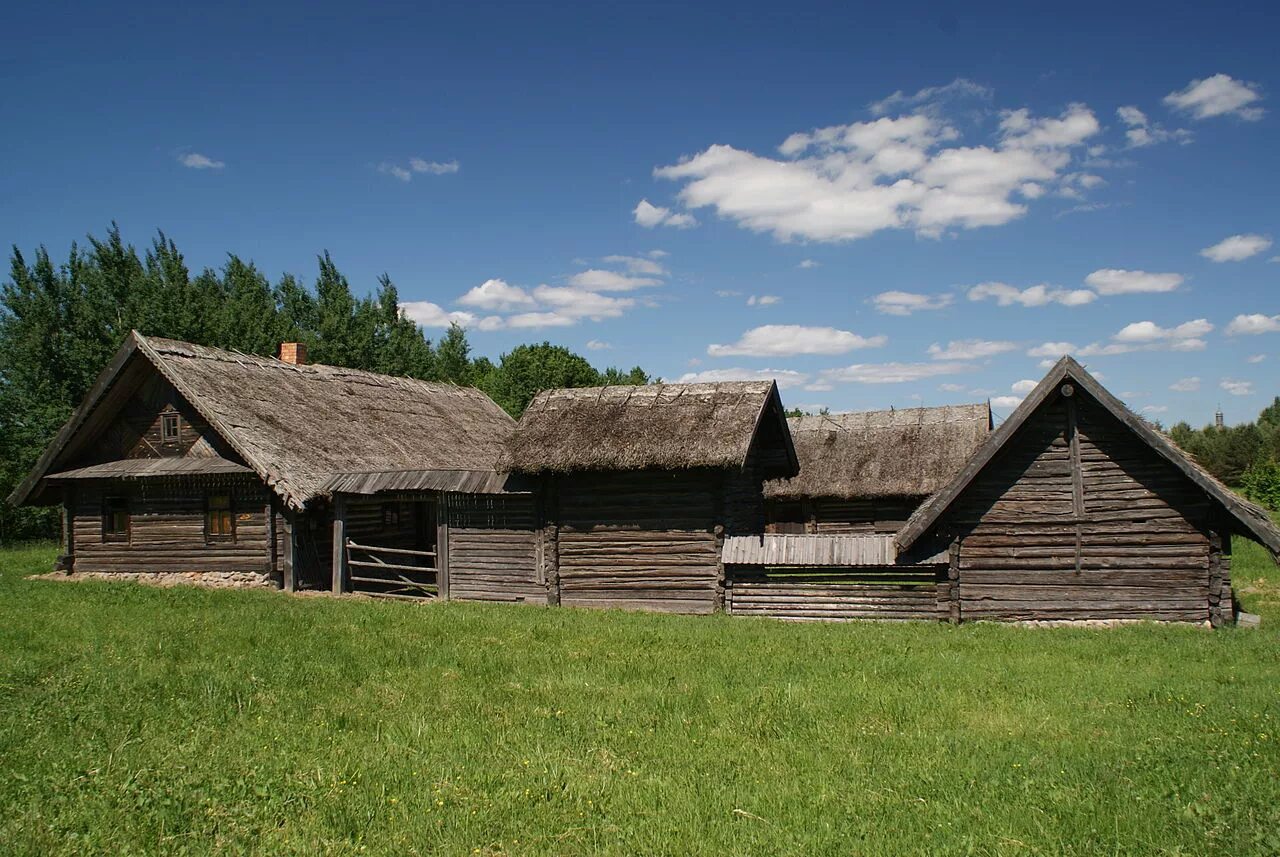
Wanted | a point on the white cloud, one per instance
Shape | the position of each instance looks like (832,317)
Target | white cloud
(427,314)
(808,263)
(1149,336)
(1237,388)
(1256,358)
(649,216)
(763,300)
(1155,409)
(1117,281)
(1006,402)
(526,320)
(1007,295)
(1052,350)
(1142,132)
(637,265)
(930,96)
(390,169)
(728,293)
(496,295)
(610,281)
(197,161)
(951,388)
(776,340)
(1024,386)
(1237,248)
(580,303)
(1185,385)
(435,168)
(1253,324)
(784,377)
(597,345)
(905,303)
(657,254)
(893,373)
(846,182)
(970,349)
(1219,95)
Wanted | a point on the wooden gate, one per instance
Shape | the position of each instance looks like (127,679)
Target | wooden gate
(392,572)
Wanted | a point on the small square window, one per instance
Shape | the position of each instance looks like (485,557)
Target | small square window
(169,428)
(390,515)
(115,520)
(220,523)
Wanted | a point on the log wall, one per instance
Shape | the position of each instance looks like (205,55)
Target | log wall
(167,528)
(494,548)
(640,540)
(136,430)
(1077,518)
(840,516)
(888,592)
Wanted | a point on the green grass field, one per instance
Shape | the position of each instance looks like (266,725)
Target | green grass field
(142,720)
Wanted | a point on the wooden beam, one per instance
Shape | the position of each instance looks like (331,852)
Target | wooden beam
(288,561)
(339,544)
(273,565)
(1077,475)
(442,547)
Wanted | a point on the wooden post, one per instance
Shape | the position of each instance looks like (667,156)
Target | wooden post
(1077,474)
(1215,579)
(288,561)
(273,560)
(442,548)
(953,575)
(339,544)
(552,495)
(68,559)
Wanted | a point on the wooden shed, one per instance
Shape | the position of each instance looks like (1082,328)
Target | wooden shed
(1075,508)
(641,485)
(195,461)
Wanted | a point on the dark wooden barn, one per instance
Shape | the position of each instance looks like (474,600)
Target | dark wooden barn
(194,461)
(1076,509)
(641,485)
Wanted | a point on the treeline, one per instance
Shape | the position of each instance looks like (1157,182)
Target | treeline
(1244,456)
(60,323)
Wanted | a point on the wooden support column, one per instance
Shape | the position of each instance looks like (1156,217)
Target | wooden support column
(67,561)
(717,532)
(339,544)
(953,577)
(551,494)
(1077,474)
(1216,617)
(273,558)
(288,562)
(442,548)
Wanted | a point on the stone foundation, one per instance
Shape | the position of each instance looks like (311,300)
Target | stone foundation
(211,579)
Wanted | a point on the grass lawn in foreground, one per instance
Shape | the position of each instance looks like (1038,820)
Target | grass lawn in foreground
(144,720)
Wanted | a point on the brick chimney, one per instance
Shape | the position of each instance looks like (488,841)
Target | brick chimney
(293,352)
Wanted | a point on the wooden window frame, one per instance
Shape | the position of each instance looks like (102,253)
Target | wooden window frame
(166,419)
(391,513)
(110,507)
(210,537)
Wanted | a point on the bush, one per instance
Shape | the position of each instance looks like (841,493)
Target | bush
(1261,484)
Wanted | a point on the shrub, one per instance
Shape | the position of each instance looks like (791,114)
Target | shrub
(1261,484)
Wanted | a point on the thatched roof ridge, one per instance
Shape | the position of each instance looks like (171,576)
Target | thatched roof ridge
(1248,519)
(910,452)
(659,426)
(296,426)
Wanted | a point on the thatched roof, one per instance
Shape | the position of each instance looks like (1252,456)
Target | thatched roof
(900,453)
(1248,519)
(661,426)
(296,426)
(143,468)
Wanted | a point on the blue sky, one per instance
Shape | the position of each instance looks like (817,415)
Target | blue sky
(914,204)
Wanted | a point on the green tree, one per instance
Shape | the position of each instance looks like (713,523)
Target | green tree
(526,370)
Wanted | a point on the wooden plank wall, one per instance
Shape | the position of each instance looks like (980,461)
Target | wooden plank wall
(1078,519)
(640,540)
(167,532)
(840,516)
(493,547)
(136,431)
(888,592)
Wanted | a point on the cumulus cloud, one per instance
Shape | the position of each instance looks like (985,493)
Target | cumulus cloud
(892,373)
(1237,248)
(1237,388)
(1051,350)
(435,168)
(638,264)
(598,345)
(778,340)
(1219,95)
(1185,385)
(496,295)
(845,182)
(1253,324)
(784,377)
(808,263)
(932,96)
(610,281)
(1024,386)
(970,349)
(1256,358)
(1143,132)
(1006,402)
(650,216)
(428,314)
(1007,295)
(197,161)
(1118,281)
(763,300)
(905,303)
(1149,336)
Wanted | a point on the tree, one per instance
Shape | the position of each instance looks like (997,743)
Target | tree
(453,357)
(526,370)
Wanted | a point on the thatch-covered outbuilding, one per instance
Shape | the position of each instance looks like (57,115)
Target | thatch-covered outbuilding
(1075,508)
(641,485)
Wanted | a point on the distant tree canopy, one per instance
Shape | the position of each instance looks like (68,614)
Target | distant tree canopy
(1245,456)
(60,323)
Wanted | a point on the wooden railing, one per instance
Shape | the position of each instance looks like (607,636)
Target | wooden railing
(392,572)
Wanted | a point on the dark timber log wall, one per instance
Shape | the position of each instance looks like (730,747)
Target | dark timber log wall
(887,592)
(1077,518)
(167,527)
(830,516)
(640,540)
(493,546)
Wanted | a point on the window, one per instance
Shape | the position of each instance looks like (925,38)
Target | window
(220,523)
(169,427)
(115,520)
(390,516)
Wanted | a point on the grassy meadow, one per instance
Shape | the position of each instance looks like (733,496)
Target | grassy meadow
(185,721)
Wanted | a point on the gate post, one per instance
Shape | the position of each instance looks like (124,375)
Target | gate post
(339,544)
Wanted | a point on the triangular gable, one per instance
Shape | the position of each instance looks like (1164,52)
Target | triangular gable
(1251,520)
(773,415)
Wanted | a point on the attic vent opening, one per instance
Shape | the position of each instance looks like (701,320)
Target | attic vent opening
(170,428)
